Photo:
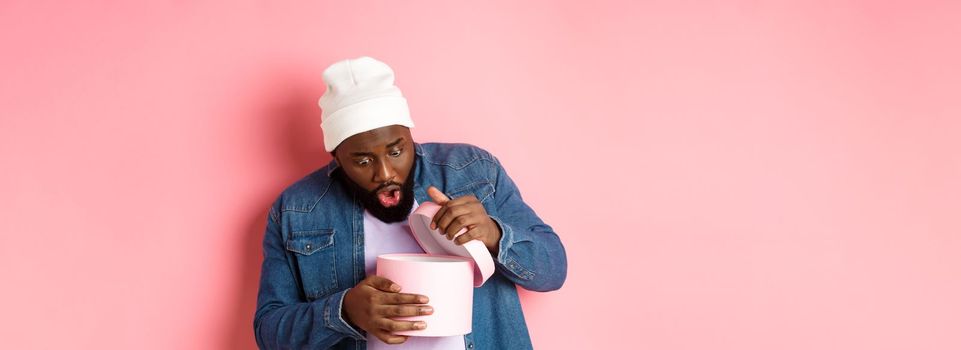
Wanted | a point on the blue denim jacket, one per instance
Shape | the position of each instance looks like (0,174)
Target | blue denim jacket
(314,252)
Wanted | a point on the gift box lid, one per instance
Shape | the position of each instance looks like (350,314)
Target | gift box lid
(433,242)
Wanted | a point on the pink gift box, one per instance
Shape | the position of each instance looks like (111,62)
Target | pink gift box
(446,275)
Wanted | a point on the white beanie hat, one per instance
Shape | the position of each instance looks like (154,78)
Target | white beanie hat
(360,96)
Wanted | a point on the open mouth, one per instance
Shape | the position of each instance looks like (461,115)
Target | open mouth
(389,197)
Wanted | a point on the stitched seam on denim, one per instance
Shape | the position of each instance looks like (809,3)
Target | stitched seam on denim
(418,149)
(330,168)
(472,188)
(478,154)
(513,236)
(273,215)
(521,272)
(310,207)
(506,238)
(517,268)
(357,231)
(459,167)
(300,236)
(327,313)
(334,284)
(299,239)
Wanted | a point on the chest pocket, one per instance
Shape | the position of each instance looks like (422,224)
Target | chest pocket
(483,190)
(313,251)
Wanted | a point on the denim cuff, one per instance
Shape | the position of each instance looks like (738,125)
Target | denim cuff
(507,258)
(333,316)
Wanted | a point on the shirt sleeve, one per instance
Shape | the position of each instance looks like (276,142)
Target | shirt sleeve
(530,253)
(283,319)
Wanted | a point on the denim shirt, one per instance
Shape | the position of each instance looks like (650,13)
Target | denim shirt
(314,252)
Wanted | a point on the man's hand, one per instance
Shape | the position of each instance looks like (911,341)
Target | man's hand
(372,301)
(462,212)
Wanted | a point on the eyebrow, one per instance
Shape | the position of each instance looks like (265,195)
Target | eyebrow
(389,145)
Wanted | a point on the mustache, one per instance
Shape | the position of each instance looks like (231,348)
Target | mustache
(385,185)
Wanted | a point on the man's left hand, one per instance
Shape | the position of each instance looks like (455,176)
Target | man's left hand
(462,212)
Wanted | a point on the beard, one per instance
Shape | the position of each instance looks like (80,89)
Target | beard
(371,202)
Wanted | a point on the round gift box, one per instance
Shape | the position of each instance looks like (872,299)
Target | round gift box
(448,281)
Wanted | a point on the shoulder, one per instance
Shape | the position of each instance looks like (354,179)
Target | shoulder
(304,194)
(461,168)
(456,155)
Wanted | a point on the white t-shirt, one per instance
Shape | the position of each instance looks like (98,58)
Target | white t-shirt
(383,238)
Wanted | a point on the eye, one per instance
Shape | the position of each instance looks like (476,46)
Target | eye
(363,162)
(395,153)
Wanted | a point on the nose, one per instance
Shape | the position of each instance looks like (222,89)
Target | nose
(384,173)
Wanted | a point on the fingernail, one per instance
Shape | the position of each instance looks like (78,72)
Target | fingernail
(394,287)
(426,310)
(420,325)
(422,299)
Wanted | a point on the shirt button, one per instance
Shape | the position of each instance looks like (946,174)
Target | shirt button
(470,346)
(308,246)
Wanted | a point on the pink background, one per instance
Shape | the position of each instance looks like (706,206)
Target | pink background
(724,174)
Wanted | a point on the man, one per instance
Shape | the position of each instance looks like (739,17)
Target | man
(318,289)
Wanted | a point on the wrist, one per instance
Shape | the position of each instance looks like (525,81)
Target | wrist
(493,244)
(345,306)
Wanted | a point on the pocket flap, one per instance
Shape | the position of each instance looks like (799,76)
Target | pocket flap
(308,242)
(480,189)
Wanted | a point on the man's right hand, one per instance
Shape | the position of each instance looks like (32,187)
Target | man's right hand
(371,303)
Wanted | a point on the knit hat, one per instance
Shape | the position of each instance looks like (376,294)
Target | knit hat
(360,96)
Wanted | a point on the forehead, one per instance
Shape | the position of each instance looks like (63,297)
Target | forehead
(374,139)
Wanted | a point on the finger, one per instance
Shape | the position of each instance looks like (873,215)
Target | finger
(463,200)
(405,310)
(457,219)
(466,237)
(447,214)
(434,221)
(444,210)
(468,215)
(405,298)
(461,205)
(389,338)
(450,204)
(392,326)
(460,225)
(382,284)
(436,195)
